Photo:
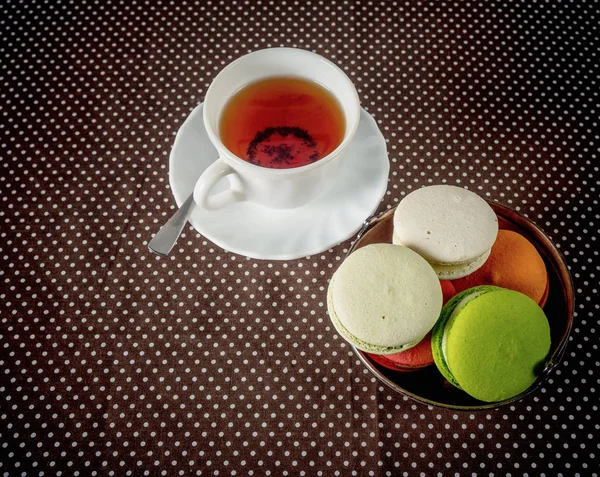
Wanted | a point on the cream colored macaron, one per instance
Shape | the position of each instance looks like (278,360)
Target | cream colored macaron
(384,298)
(450,227)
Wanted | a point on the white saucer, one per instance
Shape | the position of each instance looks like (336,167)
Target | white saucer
(259,232)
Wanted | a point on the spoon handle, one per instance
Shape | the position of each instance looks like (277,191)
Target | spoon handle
(165,238)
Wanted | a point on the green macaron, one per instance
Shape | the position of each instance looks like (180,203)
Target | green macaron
(491,342)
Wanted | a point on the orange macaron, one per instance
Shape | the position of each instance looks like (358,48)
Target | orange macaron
(514,263)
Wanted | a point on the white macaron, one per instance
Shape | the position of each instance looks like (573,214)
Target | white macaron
(450,227)
(384,298)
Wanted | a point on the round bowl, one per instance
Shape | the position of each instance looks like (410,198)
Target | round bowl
(428,385)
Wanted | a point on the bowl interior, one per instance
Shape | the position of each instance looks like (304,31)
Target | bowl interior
(428,385)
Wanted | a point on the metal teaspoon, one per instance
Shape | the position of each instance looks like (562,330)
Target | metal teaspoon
(164,240)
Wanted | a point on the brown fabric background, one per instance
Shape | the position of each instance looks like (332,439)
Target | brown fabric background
(116,362)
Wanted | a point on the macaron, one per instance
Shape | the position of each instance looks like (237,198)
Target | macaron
(450,227)
(384,298)
(419,356)
(491,342)
(514,263)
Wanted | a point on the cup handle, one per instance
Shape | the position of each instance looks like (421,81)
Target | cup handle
(209,178)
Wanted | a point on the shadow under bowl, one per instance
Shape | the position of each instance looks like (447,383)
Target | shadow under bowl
(427,385)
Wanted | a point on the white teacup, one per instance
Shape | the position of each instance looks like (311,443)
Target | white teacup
(276,188)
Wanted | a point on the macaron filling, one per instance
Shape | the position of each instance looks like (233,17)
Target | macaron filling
(449,271)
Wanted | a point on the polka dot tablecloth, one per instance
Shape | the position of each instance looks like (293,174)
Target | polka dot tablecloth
(115,361)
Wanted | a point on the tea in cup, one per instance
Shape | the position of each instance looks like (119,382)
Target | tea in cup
(280,119)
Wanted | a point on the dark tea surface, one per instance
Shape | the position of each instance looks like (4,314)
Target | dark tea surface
(282,123)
